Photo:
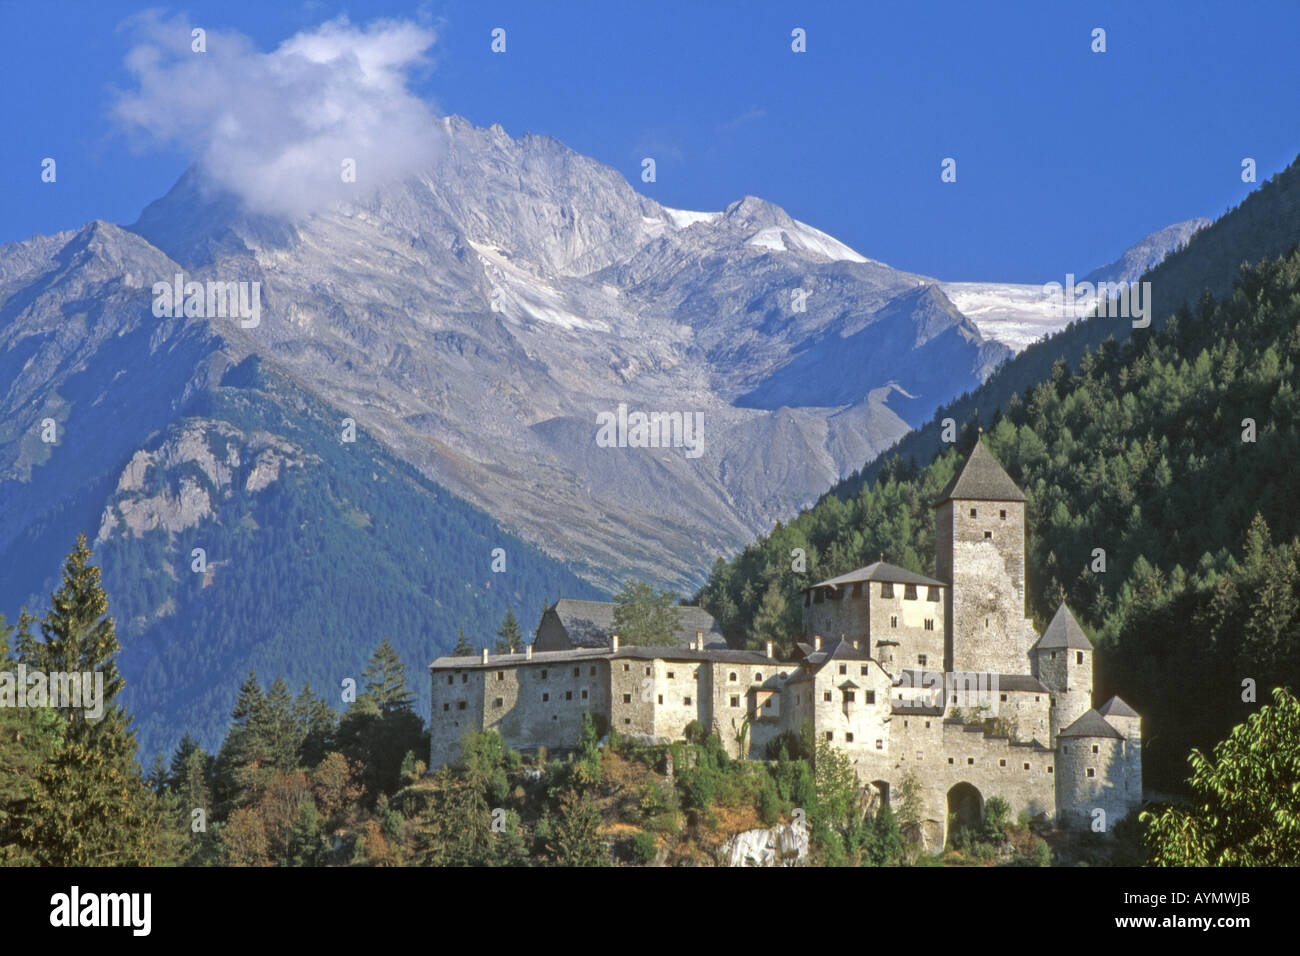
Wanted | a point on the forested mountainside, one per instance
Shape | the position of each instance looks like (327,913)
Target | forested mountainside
(1175,453)
(1265,224)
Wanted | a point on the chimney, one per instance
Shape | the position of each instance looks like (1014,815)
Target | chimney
(528,652)
(769,648)
(613,642)
(485,655)
(699,640)
(817,642)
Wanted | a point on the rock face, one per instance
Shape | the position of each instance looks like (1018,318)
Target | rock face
(784,845)
(480,317)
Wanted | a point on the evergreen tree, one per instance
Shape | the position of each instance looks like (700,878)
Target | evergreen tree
(317,727)
(463,647)
(645,617)
(510,640)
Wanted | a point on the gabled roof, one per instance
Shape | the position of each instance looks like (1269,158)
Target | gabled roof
(1063,632)
(880,571)
(590,623)
(982,478)
(1091,724)
(838,649)
(1115,707)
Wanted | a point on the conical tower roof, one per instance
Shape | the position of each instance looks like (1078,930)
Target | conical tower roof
(982,478)
(1063,632)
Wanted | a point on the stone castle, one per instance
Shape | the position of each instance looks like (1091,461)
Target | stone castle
(942,680)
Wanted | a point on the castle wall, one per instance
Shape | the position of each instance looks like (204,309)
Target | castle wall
(902,621)
(1069,681)
(836,612)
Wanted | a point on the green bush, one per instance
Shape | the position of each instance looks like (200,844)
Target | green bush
(645,846)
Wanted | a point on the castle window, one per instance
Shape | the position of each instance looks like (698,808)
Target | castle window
(1035,698)
(661,698)
(686,701)
(826,695)
(848,738)
(880,745)
(1026,766)
(568,695)
(584,693)
(927,725)
(627,698)
(1004,514)
(758,676)
(986,622)
(543,675)
(627,720)
(545,697)
(1049,769)
(670,675)
(626,668)
(1096,749)
(929,624)
(733,676)
(577,671)
(864,669)
(1002,763)
(920,659)
(844,668)
(909,592)
(1064,749)
(972,512)
(451,679)
(1052,656)
(446,706)
(499,702)
(988,534)
(1004,698)
(904,724)
(932,594)
(1078,657)
(460,705)
(647,672)
(893,621)
(464,678)
(849,697)
(830,735)
(501,675)
(970,761)
(735,700)
(950,760)
(1091,772)
(871,697)
(886,590)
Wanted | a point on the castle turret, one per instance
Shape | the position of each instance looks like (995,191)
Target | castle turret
(1062,660)
(980,551)
(1129,723)
(1090,774)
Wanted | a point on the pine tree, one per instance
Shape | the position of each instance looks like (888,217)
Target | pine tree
(88,805)
(510,640)
(385,678)
(463,647)
(317,726)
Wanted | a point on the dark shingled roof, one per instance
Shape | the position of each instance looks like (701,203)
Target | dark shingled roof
(590,623)
(1091,724)
(1115,707)
(880,571)
(574,655)
(1064,631)
(982,478)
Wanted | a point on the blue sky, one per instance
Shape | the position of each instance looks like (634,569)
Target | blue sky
(1064,156)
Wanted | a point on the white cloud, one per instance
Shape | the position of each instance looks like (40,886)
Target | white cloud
(275,128)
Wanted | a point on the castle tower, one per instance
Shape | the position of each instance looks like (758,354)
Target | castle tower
(1062,660)
(1090,774)
(1129,723)
(980,551)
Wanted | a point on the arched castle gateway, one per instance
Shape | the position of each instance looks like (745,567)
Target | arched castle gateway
(942,679)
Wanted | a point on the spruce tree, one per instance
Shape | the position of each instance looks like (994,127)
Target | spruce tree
(510,640)
(463,647)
